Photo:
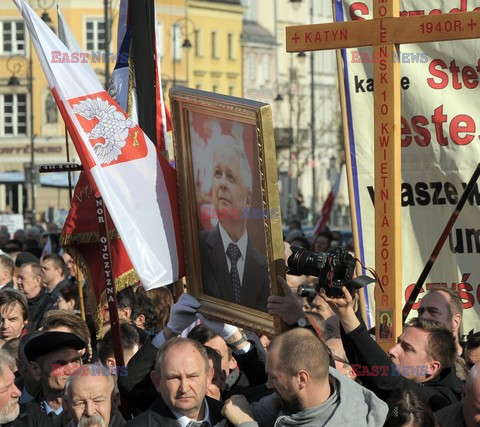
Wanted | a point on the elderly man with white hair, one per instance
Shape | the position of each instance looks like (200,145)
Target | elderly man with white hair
(232,268)
(91,398)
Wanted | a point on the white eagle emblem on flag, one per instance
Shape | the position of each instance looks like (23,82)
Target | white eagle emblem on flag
(112,127)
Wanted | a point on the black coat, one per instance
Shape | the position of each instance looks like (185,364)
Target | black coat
(158,414)
(138,389)
(442,390)
(216,278)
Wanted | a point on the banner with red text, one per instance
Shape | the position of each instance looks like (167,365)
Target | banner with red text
(440,149)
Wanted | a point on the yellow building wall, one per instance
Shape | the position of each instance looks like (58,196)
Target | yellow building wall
(217,73)
(196,68)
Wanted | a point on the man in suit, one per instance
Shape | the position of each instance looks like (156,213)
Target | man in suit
(232,269)
(182,375)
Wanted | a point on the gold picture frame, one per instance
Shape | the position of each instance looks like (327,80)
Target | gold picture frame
(227,192)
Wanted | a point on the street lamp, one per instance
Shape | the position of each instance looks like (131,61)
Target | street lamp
(18,65)
(182,25)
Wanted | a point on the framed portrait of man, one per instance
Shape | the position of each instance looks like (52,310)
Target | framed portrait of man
(227,174)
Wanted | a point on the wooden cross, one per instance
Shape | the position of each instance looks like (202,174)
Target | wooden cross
(384,32)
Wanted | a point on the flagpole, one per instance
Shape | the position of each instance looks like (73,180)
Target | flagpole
(348,163)
(110,290)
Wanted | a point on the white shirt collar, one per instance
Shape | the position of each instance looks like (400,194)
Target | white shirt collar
(183,420)
(241,243)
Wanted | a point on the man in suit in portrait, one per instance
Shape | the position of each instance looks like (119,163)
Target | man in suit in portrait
(232,268)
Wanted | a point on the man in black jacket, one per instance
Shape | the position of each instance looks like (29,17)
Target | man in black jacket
(423,359)
(137,386)
(182,375)
(466,412)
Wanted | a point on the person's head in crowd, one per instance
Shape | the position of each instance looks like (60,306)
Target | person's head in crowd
(337,238)
(445,305)
(7,265)
(162,300)
(186,359)
(11,347)
(4,238)
(66,321)
(318,305)
(33,233)
(92,397)
(13,246)
(68,298)
(297,368)
(406,408)
(126,305)
(322,241)
(53,357)
(471,352)
(25,257)
(70,263)
(471,403)
(424,348)
(294,224)
(207,337)
(31,386)
(9,393)
(218,384)
(54,270)
(13,312)
(30,279)
(20,235)
(130,345)
(301,242)
(231,185)
(144,315)
(341,362)
(29,244)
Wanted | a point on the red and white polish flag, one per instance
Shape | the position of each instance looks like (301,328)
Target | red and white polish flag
(138,187)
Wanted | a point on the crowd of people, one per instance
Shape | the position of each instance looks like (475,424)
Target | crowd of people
(182,369)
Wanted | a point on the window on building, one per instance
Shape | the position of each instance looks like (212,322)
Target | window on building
(176,42)
(230,46)
(95,34)
(13,107)
(266,68)
(12,37)
(251,66)
(160,39)
(197,43)
(214,44)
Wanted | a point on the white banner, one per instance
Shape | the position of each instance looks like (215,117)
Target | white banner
(440,150)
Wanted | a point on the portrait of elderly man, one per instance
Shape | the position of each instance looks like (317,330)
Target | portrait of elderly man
(232,268)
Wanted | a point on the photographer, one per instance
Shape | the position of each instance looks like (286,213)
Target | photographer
(422,360)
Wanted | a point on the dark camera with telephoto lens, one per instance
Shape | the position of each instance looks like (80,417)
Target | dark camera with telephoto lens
(307,290)
(334,269)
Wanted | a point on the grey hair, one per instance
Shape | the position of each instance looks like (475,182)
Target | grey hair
(6,361)
(226,141)
(86,370)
